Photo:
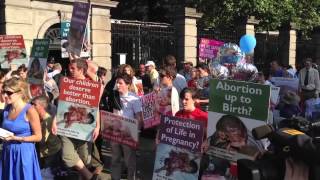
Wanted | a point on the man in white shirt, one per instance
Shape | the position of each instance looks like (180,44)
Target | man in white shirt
(186,71)
(131,107)
(309,84)
(180,81)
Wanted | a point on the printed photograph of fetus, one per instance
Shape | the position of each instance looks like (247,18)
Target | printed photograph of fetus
(119,129)
(175,163)
(36,90)
(77,118)
(13,56)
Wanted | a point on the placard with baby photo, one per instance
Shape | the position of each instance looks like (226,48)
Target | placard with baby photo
(235,108)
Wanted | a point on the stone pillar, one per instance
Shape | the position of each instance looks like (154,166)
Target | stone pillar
(101,32)
(186,32)
(248,26)
(32,18)
(288,44)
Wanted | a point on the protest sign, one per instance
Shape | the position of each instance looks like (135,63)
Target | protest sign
(274,97)
(36,90)
(65,28)
(183,133)
(12,51)
(119,129)
(38,61)
(312,109)
(139,86)
(149,110)
(167,102)
(208,48)
(78,108)
(64,32)
(173,163)
(235,107)
(78,27)
(285,84)
(239,98)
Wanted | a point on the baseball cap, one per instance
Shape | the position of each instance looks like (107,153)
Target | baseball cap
(150,63)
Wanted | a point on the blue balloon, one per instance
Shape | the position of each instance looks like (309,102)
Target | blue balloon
(247,43)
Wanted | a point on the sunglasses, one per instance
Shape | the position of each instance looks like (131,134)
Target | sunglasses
(9,93)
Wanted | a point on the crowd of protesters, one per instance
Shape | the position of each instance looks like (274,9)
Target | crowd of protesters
(35,144)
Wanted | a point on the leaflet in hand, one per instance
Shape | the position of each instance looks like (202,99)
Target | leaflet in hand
(5,133)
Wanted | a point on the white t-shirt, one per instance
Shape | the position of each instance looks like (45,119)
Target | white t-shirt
(179,82)
(131,105)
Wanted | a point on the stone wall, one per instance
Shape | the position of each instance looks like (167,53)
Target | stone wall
(32,18)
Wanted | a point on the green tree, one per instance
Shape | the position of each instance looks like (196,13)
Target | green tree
(225,14)
(271,13)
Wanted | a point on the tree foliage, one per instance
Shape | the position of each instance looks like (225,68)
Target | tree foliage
(271,13)
(227,13)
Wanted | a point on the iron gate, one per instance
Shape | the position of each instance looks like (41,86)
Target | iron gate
(141,41)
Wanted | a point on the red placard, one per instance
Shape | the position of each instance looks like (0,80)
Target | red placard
(84,92)
(11,42)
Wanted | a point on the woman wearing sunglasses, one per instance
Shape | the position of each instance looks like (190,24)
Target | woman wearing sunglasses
(168,96)
(19,157)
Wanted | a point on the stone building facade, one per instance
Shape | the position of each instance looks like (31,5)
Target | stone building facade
(41,19)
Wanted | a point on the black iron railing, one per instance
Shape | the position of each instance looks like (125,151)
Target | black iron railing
(141,41)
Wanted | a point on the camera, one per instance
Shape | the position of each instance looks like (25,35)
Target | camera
(296,138)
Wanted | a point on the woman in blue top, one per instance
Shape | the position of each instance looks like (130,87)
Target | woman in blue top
(19,158)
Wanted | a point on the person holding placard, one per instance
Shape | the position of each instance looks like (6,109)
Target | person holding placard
(75,153)
(19,157)
(127,104)
(50,144)
(189,110)
(168,96)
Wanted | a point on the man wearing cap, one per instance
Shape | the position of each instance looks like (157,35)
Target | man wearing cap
(151,69)
(186,71)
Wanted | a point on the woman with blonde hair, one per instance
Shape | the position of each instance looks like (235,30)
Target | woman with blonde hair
(127,69)
(19,157)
